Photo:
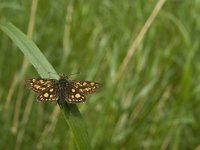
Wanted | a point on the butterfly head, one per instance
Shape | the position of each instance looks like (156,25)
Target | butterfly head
(63,76)
(63,82)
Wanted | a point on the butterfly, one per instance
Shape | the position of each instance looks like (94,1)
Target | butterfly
(71,91)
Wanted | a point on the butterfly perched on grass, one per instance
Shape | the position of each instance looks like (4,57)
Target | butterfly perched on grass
(71,91)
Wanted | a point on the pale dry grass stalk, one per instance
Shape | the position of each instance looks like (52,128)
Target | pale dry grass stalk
(135,44)
(66,35)
(10,93)
(67,28)
(49,128)
(23,70)
(160,106)
(124,117)
(24,122)
(1,92)
(170,136)
(19,96)
(17,110)
(198,147)
(31,24)
(137,110)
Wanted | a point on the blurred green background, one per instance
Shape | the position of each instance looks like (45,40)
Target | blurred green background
(150,91)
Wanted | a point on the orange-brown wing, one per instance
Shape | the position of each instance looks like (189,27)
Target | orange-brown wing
(39,85)
(86,87)
(74,95)
(50,94)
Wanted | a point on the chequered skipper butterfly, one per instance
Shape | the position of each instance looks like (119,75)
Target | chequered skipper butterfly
(72,91)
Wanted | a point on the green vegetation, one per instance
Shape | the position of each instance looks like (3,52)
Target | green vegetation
(147,63)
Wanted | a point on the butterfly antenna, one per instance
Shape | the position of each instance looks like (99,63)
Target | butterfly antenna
(62,75)
(49,73)
(75,74)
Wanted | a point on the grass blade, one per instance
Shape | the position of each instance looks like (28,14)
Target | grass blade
(43,67)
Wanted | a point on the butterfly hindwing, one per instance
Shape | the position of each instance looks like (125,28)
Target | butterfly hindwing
(86,87)
(51,94)
(74,95)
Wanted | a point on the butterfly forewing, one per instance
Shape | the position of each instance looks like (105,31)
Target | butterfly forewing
(39,85)
(86,87)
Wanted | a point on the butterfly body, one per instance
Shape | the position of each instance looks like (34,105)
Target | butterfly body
(71,91)
(62,86)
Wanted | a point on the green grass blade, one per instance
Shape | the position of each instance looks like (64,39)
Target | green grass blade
(43,67)
(77,125)
(30,50)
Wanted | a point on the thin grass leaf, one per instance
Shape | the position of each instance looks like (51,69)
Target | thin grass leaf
(43,67)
